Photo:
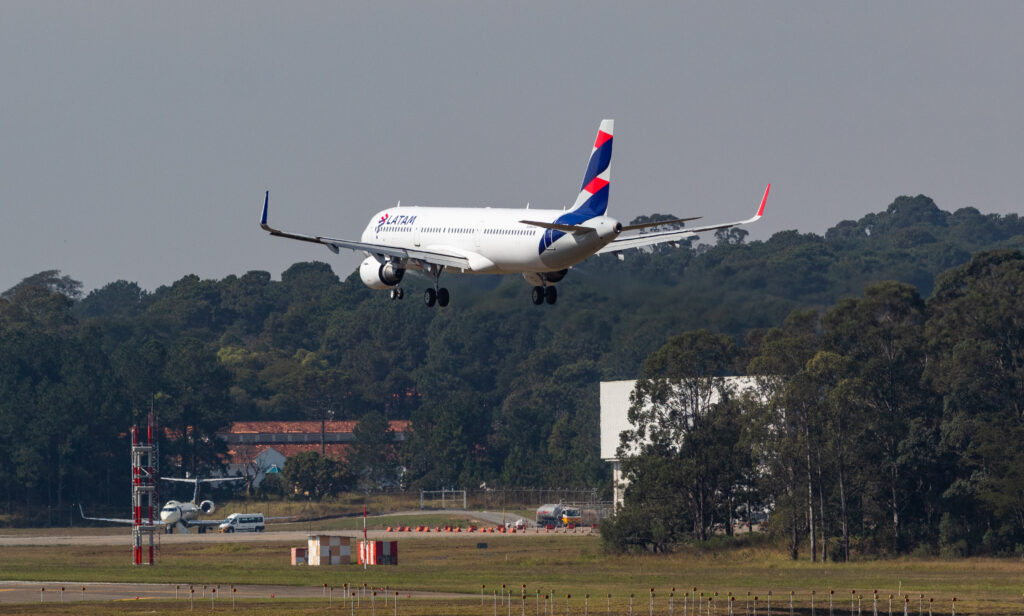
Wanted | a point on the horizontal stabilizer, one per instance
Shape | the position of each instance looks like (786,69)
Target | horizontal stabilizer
(574,229)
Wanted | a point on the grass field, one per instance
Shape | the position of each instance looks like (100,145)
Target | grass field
(563,565)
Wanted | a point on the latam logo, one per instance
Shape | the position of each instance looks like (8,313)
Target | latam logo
(387,220)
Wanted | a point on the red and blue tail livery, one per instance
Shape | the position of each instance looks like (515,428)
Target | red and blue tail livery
(539,244)
(593,198)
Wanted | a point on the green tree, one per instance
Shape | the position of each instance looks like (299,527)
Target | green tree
(314,476)
(196,405)
(883,334)
(683,435)
(976,346)
(373,459)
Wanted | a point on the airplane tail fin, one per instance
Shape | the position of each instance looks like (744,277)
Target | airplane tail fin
(593,197)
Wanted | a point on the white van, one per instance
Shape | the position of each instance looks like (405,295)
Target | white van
(242,523)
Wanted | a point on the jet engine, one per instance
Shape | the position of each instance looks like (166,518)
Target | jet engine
(206,506)
(377,275)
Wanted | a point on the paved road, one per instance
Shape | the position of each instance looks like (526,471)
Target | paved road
(29,592)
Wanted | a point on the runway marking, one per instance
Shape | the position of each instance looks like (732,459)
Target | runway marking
(7,589)
(135,598)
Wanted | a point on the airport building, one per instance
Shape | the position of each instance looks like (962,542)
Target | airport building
(256,448)
(615,419)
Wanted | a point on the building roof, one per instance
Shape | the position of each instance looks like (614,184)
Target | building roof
(304,427)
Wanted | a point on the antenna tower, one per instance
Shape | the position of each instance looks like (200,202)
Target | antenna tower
(143,491)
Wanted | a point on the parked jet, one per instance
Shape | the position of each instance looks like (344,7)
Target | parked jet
(542,245)
(177,515)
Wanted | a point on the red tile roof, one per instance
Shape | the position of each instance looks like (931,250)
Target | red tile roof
(303,427)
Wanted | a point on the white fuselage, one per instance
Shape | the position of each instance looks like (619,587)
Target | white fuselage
(493,240)
(174,511)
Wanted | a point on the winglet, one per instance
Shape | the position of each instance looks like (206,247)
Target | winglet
(760,210)
(263,218)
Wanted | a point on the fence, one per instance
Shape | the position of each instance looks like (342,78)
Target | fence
(518,498)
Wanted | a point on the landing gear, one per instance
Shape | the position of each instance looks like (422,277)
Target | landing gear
(551,295)
(544,294)
(436,295)
(396,293)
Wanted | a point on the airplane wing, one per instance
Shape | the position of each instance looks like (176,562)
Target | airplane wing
(663,237)
(203,522)
(436,257)
(117,520)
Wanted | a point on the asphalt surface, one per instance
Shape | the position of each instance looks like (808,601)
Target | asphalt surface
(69,537)
(50,592)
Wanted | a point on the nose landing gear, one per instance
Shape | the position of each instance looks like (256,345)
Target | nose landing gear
(396,293)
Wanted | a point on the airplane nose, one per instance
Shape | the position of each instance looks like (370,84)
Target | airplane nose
(170,516)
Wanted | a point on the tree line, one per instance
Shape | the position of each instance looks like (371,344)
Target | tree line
(497,390)
(885,424)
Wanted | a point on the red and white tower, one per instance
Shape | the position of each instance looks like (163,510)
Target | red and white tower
(144,457)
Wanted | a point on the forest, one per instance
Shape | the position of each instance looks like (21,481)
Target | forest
(884,424)
(498,390)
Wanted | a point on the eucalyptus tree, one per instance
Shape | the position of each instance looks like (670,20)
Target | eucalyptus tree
(782,446)
(683,430)
(882,333)
(976,348)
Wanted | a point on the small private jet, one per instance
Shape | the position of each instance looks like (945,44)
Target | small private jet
(541,245)
(177,515)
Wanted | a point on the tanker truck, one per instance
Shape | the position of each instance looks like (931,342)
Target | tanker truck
(558,515)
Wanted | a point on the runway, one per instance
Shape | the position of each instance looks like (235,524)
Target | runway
(51,592)
(107,536)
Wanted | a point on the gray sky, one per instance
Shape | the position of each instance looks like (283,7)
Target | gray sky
(138,137)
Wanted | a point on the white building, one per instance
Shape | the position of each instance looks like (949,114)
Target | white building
(615,419)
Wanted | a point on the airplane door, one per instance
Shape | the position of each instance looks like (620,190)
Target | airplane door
(416,235)
(478,233)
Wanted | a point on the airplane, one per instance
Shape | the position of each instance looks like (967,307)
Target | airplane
(177,515)
(542,245)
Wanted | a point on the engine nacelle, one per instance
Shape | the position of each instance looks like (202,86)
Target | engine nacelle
(377,275)
(206,506)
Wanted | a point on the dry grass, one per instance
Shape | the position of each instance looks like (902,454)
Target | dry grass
(566,565)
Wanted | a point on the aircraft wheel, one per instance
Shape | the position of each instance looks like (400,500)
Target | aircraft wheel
(429,298)
(393,293)
(538,295)
(442,297)
(401,293)
(551,295)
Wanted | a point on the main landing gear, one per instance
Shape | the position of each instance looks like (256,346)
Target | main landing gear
(436,295)
(544,294)
(440,297)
